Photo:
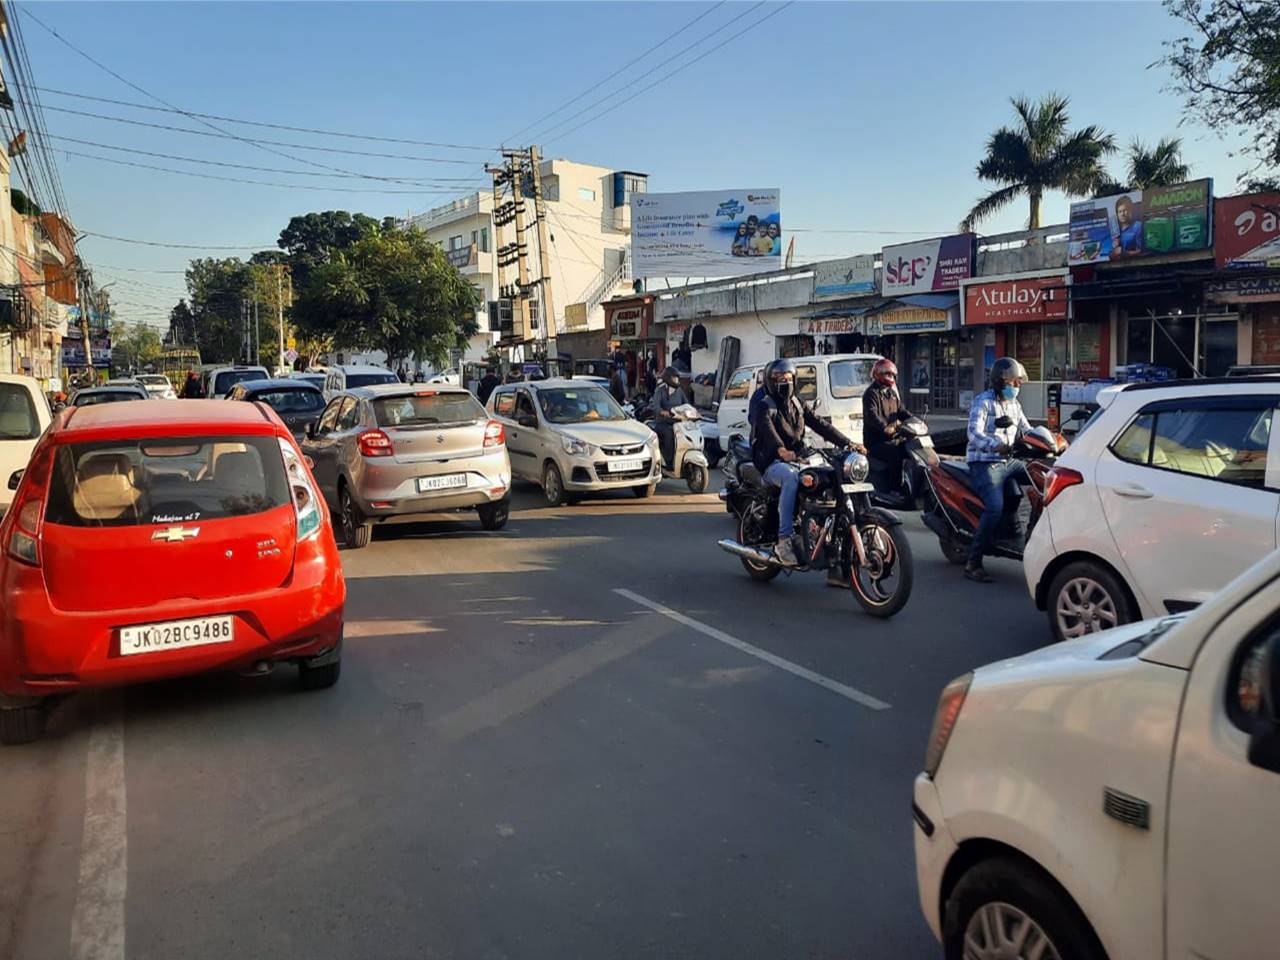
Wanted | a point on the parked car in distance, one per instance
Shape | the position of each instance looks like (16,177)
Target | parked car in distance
(341,378)
(209,545)
(158,385)
(316,379)
(24,415)
(1254,370)
(217,381)
(297,402)
(572,438)
(396,449)
(108,393)
(1168,491)
(1113,796)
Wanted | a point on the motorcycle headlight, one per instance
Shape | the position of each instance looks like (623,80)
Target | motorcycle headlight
(575,447)
(856,468)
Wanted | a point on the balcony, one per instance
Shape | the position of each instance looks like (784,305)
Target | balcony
(469,206)
(470,260)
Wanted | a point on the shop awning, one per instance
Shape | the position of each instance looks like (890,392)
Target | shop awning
(932,301)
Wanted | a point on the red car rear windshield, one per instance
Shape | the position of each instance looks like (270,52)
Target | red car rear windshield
(432,409)
(170,480)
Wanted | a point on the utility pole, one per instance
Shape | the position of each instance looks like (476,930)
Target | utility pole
(548,310)
(280,312)
(84,326)
(507,212)
(257,334)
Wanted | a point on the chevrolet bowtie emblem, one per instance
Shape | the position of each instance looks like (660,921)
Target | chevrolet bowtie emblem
(176,534)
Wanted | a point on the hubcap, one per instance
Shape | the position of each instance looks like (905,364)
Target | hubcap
(877,581)
(1001,931)
(1085,606)
(552,484)
(348,521)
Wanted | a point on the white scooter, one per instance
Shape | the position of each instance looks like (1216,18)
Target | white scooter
(690,459)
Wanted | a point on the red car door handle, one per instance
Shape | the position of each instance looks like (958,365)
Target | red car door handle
(1134,491)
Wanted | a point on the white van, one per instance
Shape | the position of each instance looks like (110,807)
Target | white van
(24,414)
(831,383)
(345,377)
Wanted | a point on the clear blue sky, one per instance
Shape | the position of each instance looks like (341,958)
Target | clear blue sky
(868,116)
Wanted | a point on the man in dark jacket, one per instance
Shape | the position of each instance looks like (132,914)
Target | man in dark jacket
(777,435)
(666,398)
(191,387)
(881,412)
(487,384)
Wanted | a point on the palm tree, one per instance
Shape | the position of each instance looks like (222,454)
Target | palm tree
(1161,166)
(1040,154)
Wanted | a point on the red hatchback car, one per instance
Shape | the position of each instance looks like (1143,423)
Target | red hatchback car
(157,539)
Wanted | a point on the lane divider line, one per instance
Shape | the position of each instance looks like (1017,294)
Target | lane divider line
(804,673)
(97,924)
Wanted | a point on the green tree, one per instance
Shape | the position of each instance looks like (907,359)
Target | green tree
(1158,166)
(1227,70)
(1039,153)
(311,239)
(182,326)
(393,290)
(219,289)
(133,345)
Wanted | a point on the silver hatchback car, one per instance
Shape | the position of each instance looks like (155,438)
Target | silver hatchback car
(395,449)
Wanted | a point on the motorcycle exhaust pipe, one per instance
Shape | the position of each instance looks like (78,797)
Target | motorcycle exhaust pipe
(750,553)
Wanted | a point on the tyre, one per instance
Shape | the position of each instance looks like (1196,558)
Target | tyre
(697,477)
(493,516)
(1003,908)
(1085,597)
(955,551)
(22,724)
(319,678)
(644,490)
(356,530)
(883,586)
(553,485)
(752,531)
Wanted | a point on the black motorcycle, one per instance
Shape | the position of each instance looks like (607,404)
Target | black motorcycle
(836,525)
(740,476)
(905,489)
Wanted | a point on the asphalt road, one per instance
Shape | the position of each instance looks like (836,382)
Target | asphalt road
(519,762)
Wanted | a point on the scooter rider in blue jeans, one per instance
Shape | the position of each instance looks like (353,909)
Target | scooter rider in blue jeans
(996,421)
(777,435)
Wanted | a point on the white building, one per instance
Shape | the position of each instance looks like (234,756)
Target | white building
(589,233)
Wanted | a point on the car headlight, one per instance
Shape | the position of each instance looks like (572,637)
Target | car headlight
(652,441)
(944,721)
(575,447)
(856,467)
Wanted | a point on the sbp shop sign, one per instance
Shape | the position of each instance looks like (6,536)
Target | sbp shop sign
(927,265)
(1016,300)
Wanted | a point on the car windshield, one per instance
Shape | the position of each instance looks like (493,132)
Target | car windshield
(106,396)
(578,405)
(229,378)
(169,480)
(427,408)
(291,399)
(154,380)
(17,413)
(849,378)
(369,379)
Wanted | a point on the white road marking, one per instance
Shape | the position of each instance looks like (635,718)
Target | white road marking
(97,925)
(835,686)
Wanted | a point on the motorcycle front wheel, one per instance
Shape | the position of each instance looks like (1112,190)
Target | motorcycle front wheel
(883,585)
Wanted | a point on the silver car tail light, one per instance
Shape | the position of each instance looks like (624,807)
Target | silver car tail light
(306,500)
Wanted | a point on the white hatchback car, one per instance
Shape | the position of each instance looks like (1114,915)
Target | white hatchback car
(24,414)
(1169,491)
(1116,796)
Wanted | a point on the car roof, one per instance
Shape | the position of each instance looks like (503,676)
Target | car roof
(553,383)
(20,378)
(162,418)
(1203,383)
(276,383)
(235,366)
(360,368)
(398,389)
(110,387)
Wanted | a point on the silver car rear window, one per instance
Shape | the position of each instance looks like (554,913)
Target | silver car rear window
(427,408)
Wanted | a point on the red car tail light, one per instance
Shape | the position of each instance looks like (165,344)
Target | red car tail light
(24,538)
(1057,480)
(495,434)
(374,443)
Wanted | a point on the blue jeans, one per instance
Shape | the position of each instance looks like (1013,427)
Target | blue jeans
(994,482)
(787,478)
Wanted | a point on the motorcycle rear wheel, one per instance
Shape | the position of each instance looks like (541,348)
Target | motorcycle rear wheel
(751,532)
(888,559)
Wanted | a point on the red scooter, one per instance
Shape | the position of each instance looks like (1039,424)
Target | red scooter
(952,509)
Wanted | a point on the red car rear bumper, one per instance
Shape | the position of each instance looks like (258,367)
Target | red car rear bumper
(45,651)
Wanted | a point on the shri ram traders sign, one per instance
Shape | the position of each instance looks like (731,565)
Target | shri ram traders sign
(927,266)
(723,233)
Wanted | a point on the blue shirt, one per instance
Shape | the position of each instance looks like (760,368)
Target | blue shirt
(984,435)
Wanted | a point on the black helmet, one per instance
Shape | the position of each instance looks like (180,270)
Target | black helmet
(671,377)
(1006,369)
(776,369)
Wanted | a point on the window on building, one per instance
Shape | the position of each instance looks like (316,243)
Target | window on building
(586,193)
(1055,351)
(475,238)
(625,184)
(455,242)
(484,239)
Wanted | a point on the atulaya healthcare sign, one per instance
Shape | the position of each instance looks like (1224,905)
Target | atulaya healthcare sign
(706,233)
(1142,223)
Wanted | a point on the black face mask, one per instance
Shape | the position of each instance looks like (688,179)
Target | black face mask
(784,390)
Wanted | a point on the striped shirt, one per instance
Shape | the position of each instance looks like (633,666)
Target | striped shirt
(984,435)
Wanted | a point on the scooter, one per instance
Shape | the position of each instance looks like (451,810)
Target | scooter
(690,462)
(952,509)
(905,490)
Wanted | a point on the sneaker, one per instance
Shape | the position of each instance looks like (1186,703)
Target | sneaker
(977,573)
(786,553)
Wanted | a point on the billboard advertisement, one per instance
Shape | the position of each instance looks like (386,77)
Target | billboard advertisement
(1033,298)
(1141,223)
(849,277)
(927,265)
(1246,231)
(706,233)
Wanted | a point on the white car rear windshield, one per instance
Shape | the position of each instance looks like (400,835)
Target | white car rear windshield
(849,377)
(428,409)
(171,480)
(17,413)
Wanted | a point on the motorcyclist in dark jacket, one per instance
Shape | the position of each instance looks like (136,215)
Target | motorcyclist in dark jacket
(777,436)
(666,398)
(881,413)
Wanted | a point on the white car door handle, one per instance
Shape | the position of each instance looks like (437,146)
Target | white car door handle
(1134,491)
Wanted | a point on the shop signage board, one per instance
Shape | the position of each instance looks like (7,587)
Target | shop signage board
(1243,289)
(831,325)
(914,320)
(1142,223)
(927,265)
(1026,299)
(844,278)
(1246,231)
(706,233)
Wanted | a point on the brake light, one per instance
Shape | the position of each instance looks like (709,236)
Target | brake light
(374,443)
(1057,480)
(494,434)
(24,542)
(306,505)
(944,721)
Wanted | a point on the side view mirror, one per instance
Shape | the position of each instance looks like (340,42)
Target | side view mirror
(311,430)
(15,478)
(1080,413)
(1264,741)
(527,420)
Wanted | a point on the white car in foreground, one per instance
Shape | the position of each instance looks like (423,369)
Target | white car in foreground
(1168,492)
(24,414)
(1116,796)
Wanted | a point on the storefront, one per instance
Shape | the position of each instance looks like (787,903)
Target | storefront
(1256,297)
(635,342)
(935,362)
